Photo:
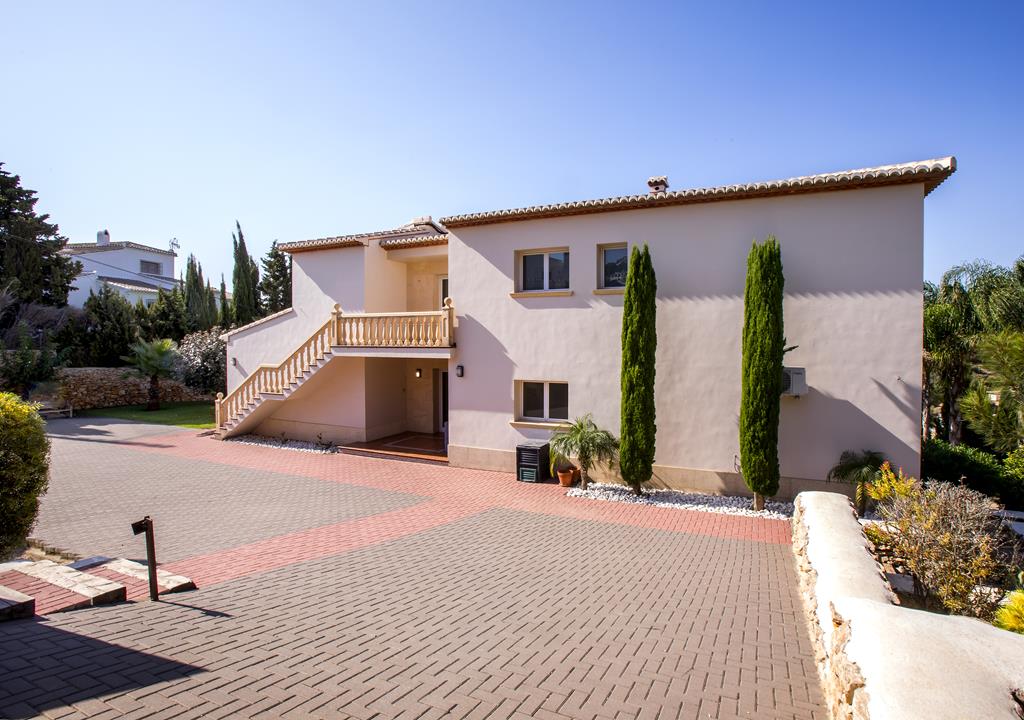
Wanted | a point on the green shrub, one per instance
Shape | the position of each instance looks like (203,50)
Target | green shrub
(979,470)
(24,469)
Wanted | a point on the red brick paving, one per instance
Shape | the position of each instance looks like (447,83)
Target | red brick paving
(456,493)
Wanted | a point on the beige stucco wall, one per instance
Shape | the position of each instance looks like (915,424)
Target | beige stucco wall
(332,404)
(385,281)
(421,397)
(853,266)
(422,290)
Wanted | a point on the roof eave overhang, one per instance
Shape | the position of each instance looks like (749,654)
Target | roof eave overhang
(930,173)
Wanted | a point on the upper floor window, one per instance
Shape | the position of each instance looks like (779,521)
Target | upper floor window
(546,270)
(613,263)
(149,267)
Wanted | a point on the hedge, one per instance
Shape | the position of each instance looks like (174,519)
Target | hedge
(979,470)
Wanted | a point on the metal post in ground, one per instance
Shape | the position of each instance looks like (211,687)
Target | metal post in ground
(146,525)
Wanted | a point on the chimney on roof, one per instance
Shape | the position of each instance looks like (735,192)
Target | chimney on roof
(657,184)
(103,237)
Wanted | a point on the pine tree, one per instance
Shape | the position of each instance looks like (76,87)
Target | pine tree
(110,327)
(30,245)
(639,346)
(168,317)
(763,348)
(244,282)
(211,306)
(276,286)
(226,319)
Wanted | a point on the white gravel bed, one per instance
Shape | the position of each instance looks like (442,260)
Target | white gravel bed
(724,504)
(297,445)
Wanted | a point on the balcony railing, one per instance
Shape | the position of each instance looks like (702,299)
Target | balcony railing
(402,330)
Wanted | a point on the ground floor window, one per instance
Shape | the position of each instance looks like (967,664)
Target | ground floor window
(544,400)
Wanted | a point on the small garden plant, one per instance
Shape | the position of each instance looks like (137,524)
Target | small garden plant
(586,442)
(950,540)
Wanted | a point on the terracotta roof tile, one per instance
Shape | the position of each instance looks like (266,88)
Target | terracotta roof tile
(929,172)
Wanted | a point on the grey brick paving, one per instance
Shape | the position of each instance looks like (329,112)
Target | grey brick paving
(101,483)
(504,614)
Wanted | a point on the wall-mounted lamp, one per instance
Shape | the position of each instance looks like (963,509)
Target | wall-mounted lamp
(234,361)
(459,371)
(419,373)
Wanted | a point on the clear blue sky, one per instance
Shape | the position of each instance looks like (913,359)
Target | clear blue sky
(310,119)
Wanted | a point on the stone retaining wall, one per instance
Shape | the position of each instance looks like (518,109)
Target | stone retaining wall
(881,661)
(88,388)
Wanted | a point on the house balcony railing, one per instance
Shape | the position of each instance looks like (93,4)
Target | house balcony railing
(394,330)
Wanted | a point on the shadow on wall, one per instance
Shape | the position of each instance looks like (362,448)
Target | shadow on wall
(488,367)
(66,668)
(808,448)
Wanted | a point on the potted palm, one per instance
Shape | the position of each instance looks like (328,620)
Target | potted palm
(153,359)
(586,442)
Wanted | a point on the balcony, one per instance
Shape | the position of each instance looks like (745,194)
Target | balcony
(432,329)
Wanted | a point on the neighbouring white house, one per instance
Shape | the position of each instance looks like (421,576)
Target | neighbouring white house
(134,270)
(489,329)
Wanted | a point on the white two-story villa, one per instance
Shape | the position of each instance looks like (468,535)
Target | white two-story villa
(135,271)
(468,335)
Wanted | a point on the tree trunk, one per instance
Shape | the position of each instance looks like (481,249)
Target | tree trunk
(584,478)
(758,502)
(154,393)
(956,422)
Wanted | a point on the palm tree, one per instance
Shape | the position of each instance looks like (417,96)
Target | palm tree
(153,359)
(585,441)
(858,468)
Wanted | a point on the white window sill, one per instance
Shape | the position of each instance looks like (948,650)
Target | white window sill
(540,424)
(540,293)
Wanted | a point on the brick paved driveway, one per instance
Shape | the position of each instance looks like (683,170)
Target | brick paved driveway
(403,590)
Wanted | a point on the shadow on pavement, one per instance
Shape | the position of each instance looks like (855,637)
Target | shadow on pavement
(43,667)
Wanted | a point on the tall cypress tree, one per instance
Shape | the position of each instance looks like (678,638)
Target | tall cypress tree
(199,309)
(639,346)
(244,282)
(763,347)
(168,317)
(276,286)
(226,319)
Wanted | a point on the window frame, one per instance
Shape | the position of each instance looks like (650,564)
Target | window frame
(601,249)
(521,399)
(159,267)
(546,253)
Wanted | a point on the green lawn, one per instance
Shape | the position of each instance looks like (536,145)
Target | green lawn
(196,415)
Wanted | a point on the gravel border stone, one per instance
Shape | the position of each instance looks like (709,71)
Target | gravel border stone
(297,445)
(723,504)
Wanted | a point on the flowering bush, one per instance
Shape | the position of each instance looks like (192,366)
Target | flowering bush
(202,361)
(950,540)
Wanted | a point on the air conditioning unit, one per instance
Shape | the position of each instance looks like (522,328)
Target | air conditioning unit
(532,461)
(794,381)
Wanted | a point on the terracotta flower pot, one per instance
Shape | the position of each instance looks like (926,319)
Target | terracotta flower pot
(565,478)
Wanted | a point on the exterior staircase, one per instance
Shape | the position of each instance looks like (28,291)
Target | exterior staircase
(257,396)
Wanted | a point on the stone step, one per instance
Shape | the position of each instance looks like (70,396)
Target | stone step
(59,587)
(14,604)
(134,573)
